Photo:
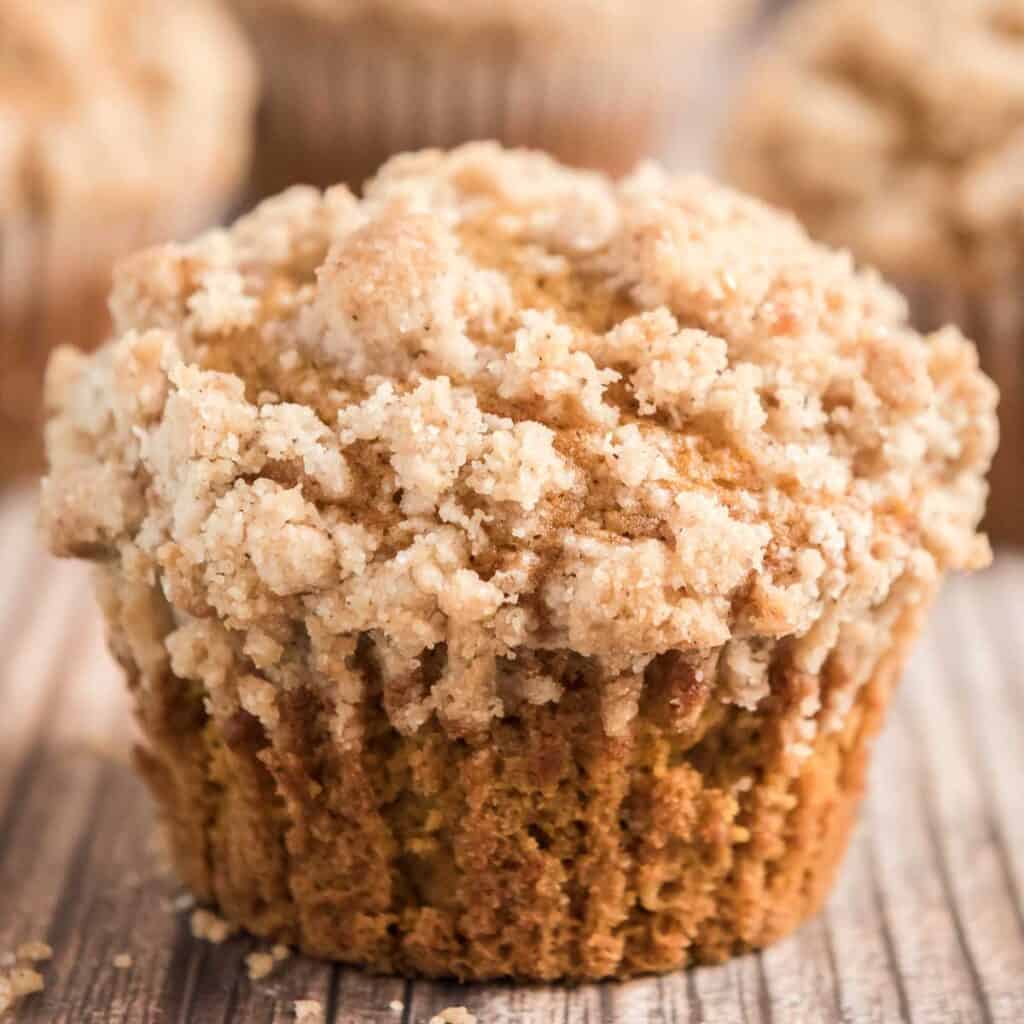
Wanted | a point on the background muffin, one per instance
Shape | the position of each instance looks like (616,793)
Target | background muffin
(896,127)
(121,124)
(511,569)
(352,82)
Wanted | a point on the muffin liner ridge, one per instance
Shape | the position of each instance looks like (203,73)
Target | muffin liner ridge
(540,848)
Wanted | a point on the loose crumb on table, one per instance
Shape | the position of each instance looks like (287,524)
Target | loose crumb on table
(17,983)
(309,1011)
(454,1015)
(207,926)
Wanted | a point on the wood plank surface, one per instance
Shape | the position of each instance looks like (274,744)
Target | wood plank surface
(926,924)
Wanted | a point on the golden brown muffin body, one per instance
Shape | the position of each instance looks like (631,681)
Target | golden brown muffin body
(511,568)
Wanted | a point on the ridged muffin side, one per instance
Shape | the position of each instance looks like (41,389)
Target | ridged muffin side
(539,848)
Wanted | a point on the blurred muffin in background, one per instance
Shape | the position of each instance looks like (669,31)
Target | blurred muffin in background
(896,128)
(351,82)
(122,123)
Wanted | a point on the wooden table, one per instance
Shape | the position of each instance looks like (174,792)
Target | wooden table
(926,924)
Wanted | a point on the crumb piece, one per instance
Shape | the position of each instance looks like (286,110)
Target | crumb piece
(34,952)
(280,952)
(211,928)
(454,1015)
(16,984)
(308,1011)
(396,1006)
(183,901)
(259,965)
(123,961)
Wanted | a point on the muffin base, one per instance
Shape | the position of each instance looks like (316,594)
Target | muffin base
(541,848)
(339,103)
(995,323)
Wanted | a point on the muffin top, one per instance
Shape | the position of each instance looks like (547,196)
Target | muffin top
(118,101)
(895,127)
(525,24)
(505,409)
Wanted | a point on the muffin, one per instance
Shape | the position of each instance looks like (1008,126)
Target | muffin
(121,124)
(349,83)
(896,127)
(511,568)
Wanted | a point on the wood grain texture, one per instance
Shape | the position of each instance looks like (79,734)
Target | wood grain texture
(926,925)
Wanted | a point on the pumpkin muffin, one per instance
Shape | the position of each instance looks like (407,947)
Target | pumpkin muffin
(511,568)
(121,124)
(896,127)
(350,83)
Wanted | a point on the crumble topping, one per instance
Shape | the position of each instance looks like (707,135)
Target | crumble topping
(97,96)
(895,127)
(499,410)
(35,951)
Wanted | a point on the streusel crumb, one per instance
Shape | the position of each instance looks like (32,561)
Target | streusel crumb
(35,951)
(210,928)
(308,1011)
(454,1015)
(17,983)
(259,965)
(498,409)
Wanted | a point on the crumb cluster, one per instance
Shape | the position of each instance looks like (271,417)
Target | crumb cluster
(308,1011)
(499,410)
(96,100)
(896,127)
(209,927)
